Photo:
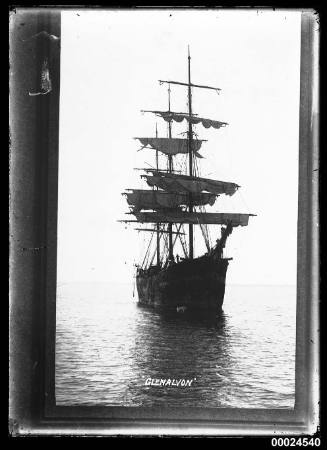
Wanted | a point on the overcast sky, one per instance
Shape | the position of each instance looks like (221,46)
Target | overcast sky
(111,62)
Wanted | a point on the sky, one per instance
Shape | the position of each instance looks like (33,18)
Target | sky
(111,62)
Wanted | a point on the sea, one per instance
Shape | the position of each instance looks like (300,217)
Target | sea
(108,348)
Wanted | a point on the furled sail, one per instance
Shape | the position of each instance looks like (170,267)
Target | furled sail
(185,183)
(194,218)
(179,117)
(146,199)
(171,146)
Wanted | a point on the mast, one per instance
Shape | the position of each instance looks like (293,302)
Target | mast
(175,190)
(158,224)
(190,136)
(170,169)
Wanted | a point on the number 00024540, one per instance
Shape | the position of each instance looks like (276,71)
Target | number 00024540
(295,442)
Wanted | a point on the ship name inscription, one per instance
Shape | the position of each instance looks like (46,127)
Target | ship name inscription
(169,382)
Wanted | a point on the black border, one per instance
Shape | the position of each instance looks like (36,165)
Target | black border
(34,127)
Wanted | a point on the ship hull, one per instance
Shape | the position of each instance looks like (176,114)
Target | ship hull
(191,286)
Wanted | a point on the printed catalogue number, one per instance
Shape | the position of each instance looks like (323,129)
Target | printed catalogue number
(295,442)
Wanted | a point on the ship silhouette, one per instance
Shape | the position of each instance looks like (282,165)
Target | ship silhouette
(165,280)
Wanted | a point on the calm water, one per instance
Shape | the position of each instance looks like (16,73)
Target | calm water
(107,347)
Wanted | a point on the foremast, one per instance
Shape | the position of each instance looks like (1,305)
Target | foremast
(158,224)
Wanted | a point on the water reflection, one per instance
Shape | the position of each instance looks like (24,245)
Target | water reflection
(107,347)
(176,346)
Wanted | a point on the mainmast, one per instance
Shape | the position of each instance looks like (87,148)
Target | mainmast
(170,169)
(190,137)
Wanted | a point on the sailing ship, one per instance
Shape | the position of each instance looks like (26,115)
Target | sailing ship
(164,279)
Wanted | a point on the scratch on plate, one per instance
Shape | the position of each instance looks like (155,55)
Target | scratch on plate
(46,85)
(52,37)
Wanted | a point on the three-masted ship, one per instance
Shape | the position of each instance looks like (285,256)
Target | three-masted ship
(165,279)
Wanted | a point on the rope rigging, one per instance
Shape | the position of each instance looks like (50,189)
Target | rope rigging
(204,227)
(146,257)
